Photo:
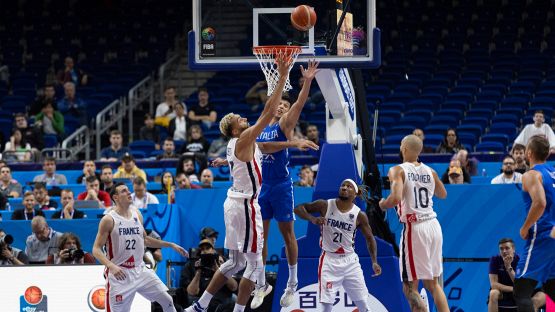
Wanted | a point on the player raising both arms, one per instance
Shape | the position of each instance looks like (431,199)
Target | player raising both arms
(413,184)
(244,235)
(339,218)
(121,231)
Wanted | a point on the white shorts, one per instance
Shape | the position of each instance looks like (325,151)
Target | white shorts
(335,270)
(421,251)
(120,294)
(243,225)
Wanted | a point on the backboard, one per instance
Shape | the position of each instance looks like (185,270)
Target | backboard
(224,32)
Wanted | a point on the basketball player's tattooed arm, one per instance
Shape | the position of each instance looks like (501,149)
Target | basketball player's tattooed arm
(532,183)
(272,147)
(439,190)
(305,211)
(289,120)
(396,178)
(364,226)
(104,228)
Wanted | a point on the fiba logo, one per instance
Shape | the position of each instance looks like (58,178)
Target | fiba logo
(97,298)
(208,34)
(33,300)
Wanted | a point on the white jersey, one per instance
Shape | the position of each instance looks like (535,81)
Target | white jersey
(418,190)
(338,233)
(246,176)
(126,245)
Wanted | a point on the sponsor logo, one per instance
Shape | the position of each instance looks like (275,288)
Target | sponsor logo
(97,298)
(33,300)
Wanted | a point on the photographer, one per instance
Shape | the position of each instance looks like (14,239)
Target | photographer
(198,272)
(70,252)
(10,255)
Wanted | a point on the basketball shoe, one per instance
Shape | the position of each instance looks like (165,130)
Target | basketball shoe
(259,294)
(287,297)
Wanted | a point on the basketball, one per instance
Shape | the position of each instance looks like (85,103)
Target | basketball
(303,17)
(33,295)
(98,298)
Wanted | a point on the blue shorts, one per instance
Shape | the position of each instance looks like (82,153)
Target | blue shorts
(538,259)
(276,201)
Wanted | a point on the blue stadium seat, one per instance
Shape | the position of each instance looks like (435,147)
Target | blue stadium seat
(390,148)
(50,140)
(505,118)
(467,138)
(481,121)
(503,128)
(471,128)
(144,146)
(395,138)
(496,137)
(433,139)
(450,121)
(490,147)
(138,154)
(436,129)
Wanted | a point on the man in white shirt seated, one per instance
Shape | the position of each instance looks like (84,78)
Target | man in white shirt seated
(141,198)
(539,127)
(509,174)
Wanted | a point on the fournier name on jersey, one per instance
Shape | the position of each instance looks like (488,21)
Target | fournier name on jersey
(422,178)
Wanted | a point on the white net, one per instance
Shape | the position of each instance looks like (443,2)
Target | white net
(266,57)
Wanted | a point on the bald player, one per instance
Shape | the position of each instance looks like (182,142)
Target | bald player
(413,185)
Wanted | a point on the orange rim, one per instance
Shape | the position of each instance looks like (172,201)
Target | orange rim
(276,49)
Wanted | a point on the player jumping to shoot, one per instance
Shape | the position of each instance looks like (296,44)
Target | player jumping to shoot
(339,218)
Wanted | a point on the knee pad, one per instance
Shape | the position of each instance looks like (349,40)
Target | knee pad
(165,301)
(236,263)
(255,267)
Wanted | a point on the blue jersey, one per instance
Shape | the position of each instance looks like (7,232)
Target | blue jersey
(546,221)
(274,166)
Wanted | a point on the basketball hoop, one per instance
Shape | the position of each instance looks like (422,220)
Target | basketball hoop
(266,56)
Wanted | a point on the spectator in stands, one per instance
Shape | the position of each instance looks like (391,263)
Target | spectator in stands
(502,276)
(209,233)
(198,272)
(93,192)
(183,182)
(50,177)
(165,111)
(49,95)
(68,210)
(8,187)
(152,256)
(149,132)
(203,112)
(450,143)
(539,127)
(177,129)
(168,185)
(218,147)
(43,242)
(41,197)
(17,149)
(128,169)
(313,135)
(31,135)
(116,150)
(455,174)
(141,198)
(51,120)
(71,74)
(70,252)
(206,178)
(71,104)
(89,169)
(470,164)
(107,178)
(187,165)
(420,133)
(169,150)
(29,210)
(518,154)
(306,177)
(10,255)
(508,175)
(196,142)
(257,94)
